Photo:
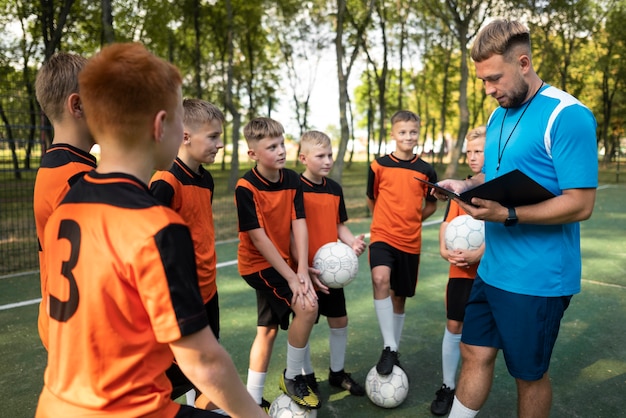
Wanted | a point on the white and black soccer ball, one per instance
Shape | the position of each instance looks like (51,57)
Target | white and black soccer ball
(337,263)
(285,407)
(465,233)
(387,391)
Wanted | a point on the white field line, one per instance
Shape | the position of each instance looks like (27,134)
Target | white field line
(233,262)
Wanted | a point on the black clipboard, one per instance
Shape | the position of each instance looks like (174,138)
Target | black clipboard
(511,189)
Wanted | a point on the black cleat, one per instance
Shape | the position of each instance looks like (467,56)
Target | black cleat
(298,390)
(387,360)
(443,403)
(343,380)
(311,380)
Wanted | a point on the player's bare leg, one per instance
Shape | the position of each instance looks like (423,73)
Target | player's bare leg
(398,303)
(261,350)
(302,324)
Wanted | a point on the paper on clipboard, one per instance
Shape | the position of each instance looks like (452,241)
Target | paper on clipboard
(449,193)
(511,189)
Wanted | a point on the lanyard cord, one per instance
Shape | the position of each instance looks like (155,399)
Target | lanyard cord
(501,153)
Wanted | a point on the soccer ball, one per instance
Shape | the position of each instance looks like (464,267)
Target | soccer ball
(387,391)
(465,233)
(284,407)
(337,263)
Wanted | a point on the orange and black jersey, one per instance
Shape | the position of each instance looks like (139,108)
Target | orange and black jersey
(61,166)
(398,197)
(191,195)
(121,286)
(452,211)
(325,209)
(271,206)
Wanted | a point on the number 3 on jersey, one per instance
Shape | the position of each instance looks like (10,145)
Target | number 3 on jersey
(63,310)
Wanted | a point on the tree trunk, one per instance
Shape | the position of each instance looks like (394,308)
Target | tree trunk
(229,101)
(108,33)
(342,79)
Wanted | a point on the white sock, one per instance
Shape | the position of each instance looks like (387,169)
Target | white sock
(295,361)
(384,312)
(398,325)
(338,341)
(221,411)
(461,411)
(307,366)
(450,357)
(255,385)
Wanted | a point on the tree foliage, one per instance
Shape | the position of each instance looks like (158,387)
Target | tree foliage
(246,56)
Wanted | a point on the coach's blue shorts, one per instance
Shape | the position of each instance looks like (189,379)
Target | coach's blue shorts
(524,327)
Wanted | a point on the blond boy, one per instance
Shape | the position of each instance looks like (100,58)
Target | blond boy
(270,208)
(68,158)
(326,217)
(463,267)
(187,187)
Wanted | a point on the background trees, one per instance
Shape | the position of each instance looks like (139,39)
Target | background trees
(389,54)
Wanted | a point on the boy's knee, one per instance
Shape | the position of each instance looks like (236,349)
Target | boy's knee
(308,312)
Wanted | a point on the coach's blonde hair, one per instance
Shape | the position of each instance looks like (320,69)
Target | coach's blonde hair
(501,37)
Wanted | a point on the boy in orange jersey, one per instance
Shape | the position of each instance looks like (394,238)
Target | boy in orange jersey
(68,158)
(463,267)
(399,204)
(270,208)
(122,280)
(326,217)
(188,189)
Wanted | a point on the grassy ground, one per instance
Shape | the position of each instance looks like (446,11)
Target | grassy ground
(588,368)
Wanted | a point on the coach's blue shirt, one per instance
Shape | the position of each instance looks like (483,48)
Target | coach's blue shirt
(554,143)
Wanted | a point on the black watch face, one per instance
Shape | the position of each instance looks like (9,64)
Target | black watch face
(510,221)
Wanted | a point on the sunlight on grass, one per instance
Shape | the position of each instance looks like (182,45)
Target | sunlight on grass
(604,369)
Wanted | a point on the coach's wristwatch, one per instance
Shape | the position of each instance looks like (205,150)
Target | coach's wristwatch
(512,219)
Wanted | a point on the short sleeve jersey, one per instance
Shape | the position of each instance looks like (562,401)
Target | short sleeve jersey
(271,206)
(398,197)
(121,285)
(555,145)
(325,209)
(191,195)
(60,167)
(453,210)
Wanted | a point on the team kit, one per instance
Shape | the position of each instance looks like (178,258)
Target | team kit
(130,332)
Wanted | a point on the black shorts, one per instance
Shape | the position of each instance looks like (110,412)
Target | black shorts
(332,305)
(457,294)
(213,311)
(180,383)
(186,411)
(273,297)
(404,267)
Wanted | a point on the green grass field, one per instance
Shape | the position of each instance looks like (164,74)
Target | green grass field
(588,367)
